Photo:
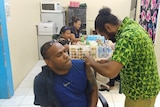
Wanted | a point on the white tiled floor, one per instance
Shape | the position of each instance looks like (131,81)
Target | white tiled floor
(23,96)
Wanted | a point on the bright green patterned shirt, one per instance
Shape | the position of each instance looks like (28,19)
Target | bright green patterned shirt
(134,49)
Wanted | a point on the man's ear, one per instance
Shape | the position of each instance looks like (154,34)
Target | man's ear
(108,27)
(48,62)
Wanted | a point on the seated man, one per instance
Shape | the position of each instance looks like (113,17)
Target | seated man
(64,82)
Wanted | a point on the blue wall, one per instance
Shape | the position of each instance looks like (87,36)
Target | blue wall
(6,83)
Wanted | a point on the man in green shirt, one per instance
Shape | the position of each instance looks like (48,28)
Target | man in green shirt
(133,58)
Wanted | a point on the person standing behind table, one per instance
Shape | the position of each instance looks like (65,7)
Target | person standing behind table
(75,28)
(133,57)
(64,82)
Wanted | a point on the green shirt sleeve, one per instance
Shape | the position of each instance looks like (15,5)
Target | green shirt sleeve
(123,51)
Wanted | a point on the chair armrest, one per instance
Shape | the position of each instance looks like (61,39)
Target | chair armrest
(103,100)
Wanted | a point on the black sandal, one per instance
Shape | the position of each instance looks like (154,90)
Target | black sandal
(103,88)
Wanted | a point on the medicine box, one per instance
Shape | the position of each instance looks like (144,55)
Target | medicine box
(97,52)
(79,51)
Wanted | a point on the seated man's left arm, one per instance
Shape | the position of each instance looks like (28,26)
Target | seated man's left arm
(94,90)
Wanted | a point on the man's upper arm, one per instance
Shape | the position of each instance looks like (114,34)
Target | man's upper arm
(94,89)
(90,76)
(114,70)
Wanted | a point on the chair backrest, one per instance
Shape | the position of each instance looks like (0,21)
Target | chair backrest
(103,100)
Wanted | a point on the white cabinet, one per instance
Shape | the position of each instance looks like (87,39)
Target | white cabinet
(57,17)
(45,33)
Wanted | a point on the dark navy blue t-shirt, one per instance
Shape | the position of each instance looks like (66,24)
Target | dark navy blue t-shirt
(70,88)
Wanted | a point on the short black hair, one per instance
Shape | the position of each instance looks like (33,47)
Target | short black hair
(44,49)
(105,16)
